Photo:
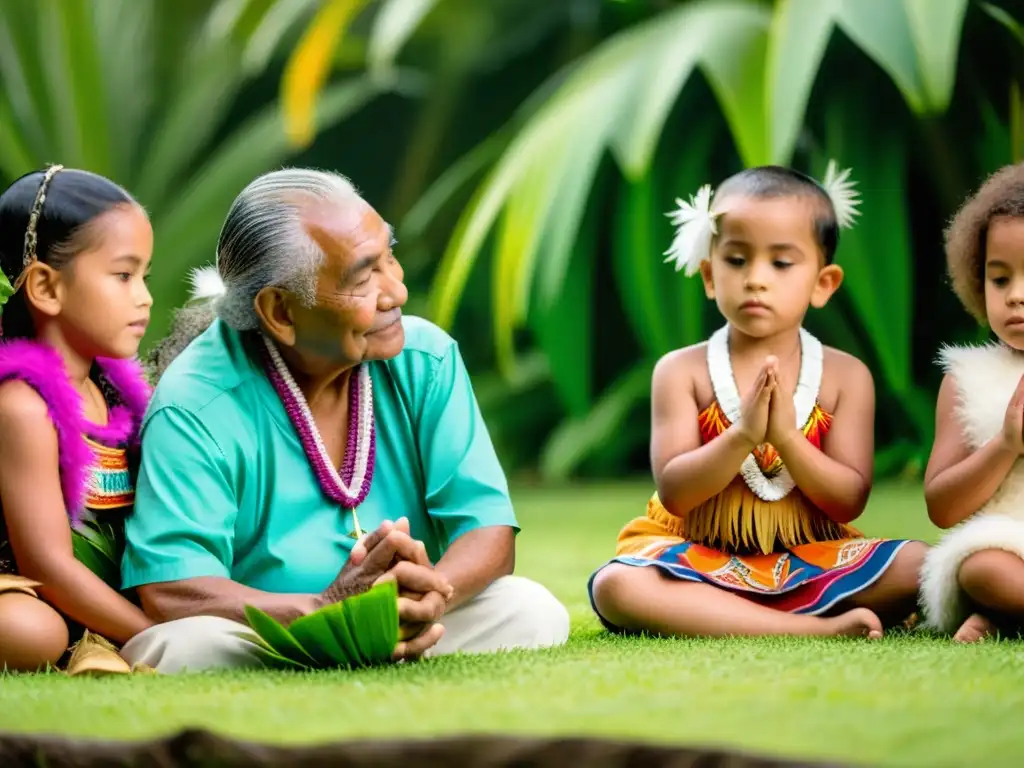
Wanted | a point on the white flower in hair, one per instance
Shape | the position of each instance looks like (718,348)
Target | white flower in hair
(845,198)
(695,227)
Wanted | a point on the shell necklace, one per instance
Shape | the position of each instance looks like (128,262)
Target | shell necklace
(351,486)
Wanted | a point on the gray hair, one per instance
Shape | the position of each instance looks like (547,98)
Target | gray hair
(263,243)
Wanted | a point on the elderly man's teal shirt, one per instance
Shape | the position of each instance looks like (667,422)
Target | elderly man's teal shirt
(225,488)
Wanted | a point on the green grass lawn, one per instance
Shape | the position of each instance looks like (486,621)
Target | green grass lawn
(900,701)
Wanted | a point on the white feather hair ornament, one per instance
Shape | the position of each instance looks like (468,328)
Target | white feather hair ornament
(840,189)
(207,284)
(695,228)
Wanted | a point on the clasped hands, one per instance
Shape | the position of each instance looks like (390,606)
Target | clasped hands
(767,414)
(391,554)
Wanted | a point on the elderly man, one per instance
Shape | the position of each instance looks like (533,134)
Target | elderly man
(307,412)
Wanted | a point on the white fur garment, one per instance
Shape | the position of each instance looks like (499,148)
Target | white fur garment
(986,377)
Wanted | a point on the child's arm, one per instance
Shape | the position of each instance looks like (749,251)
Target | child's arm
(686,471)
(958,481)
(836,479)
(37,523)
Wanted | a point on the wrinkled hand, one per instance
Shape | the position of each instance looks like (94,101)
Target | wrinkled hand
(419,615)
(1013,421)
(378,553)
(782,424)
(423,596)
(754,410)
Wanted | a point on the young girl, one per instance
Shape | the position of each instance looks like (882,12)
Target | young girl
(974,479)
(74,250)
(762,440)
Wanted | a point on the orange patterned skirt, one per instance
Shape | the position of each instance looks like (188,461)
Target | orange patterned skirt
(808,578)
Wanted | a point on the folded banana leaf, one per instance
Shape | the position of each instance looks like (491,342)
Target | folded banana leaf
(358,632)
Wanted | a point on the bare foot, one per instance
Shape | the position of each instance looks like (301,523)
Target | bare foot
(974,630)
(858,622)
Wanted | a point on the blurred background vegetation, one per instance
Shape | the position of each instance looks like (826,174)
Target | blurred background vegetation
(527,152)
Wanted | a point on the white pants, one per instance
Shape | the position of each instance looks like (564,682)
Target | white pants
(511,613)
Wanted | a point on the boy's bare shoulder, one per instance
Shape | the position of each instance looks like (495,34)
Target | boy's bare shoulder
(843,365)
(843,373)
(682,363)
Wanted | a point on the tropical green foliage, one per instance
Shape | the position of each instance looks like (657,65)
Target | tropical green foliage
(142,91)
(528,150)
(644,98)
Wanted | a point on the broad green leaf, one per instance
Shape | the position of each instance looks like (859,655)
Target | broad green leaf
(203,91)
(188,225)
(353,630)
(686,303)
(726,38)
(57,74)
(277,637)
(915,41)
(16,157)
(597,104)
(937,26)
(735,69)
(540,226)
(190,118)
(125,32)
(518,238)
(657,59)
(638,269)
(314,633)
(21,53)
(95,549)
(563,323)
(453,179)
(237,20)
(374,617)
(265,39)
(470,233)
(87,86)
(665,308)
(800,31)
(308,66)
(573,441)
(359,630)
(993,147)
(344,638)
(876,253)
(394,24)
(269,656)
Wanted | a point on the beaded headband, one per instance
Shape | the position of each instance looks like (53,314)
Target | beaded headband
(30,255)
(696,221)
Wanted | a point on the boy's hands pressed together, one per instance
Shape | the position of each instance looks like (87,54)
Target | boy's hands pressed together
(782,426)
(755,409)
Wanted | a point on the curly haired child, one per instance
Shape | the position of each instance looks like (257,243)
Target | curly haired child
(973,580)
